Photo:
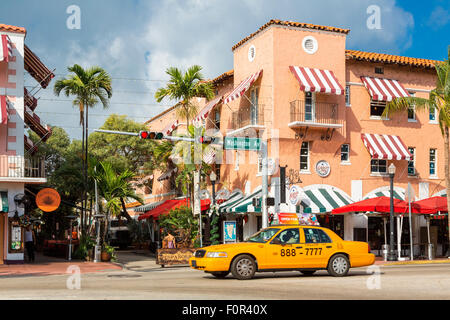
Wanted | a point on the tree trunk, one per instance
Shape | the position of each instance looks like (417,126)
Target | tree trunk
(447,175)
(124,210)
(82,165)
(86,157)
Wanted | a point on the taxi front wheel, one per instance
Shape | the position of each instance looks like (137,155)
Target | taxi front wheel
(338,265)
(243,267)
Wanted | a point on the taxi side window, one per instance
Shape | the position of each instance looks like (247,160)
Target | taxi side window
(313,235)
(289,236)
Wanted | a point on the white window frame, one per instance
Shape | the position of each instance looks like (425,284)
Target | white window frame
(308,169)
(435,175)
(435,121)
(260,164)
(413,161)
(376,117)
(347,96)
(345,162)
(313,107)
(378,173)
(413,107)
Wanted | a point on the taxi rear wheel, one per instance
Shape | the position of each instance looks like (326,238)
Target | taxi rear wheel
(220,275)
(243,267)
(338,265)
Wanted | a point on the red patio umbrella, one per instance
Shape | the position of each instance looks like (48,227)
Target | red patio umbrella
(378,204)
(430,205)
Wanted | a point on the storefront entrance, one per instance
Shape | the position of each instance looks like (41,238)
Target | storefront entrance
(333,222)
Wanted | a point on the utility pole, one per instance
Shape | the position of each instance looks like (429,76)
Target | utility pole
(265,182)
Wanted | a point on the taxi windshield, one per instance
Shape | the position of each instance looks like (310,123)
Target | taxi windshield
(263,235)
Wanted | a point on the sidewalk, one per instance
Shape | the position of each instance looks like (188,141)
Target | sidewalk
(44,266)
(380,261)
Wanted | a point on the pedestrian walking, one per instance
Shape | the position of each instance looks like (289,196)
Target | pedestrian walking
(30,240)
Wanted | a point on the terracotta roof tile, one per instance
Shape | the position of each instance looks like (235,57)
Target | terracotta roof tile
(8,28)
(223,76)
(388,58)
(291,24)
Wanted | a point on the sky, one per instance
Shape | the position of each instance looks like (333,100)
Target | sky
(135,41)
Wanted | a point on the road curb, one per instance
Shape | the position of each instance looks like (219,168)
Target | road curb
(415,262)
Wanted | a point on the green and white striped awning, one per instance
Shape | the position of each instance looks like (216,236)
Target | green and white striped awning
(323,199)
(4,202)
(246,204)
(399,193)
(234,198)
(442,193)
(148,206)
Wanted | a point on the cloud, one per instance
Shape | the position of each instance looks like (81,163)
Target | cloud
(439,18)
(141,39)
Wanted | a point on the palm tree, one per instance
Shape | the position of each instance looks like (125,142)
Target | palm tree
(183,88)
(114,188)
(439,103)
(89,86)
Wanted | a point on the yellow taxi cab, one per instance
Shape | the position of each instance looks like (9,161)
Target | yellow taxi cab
(284,248)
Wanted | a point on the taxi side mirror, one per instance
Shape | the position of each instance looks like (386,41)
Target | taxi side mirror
(276,241)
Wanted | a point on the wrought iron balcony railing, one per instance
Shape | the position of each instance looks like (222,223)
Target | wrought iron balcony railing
(314,113)
(248,116)
(21,167)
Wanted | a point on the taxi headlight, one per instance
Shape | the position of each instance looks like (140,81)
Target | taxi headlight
(216,255)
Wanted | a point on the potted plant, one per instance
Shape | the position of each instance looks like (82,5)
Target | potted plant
(108,253)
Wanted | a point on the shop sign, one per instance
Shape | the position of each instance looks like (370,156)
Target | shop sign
(48,200)
(294,195)
(287,218)
(174,256)
(323,168)
(308,219)
(229,231)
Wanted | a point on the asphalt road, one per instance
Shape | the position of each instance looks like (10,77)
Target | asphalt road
(144,280)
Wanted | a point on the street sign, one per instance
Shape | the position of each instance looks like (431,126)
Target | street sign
(242,143)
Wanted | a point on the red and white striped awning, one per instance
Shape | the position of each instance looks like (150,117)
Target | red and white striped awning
(242,87)
(6,51)
(35,124)
(384,89)
(29,145)
(4,109)
(207,109)
(317,80)
(169,129)
(386,147)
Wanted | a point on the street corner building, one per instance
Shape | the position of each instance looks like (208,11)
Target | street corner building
(18,165)
(320,106)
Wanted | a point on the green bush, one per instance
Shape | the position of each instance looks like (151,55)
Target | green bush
(181,223)
(86,244)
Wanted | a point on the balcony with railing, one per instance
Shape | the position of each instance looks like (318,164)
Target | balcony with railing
(248,117)
(22,168)
(315,114)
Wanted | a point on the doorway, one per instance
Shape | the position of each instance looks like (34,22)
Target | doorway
(2,236)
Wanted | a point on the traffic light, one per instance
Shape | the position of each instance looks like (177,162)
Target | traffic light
(208,140)
(151,135)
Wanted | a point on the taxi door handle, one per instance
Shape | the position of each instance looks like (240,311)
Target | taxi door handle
(298,247)
(329,246)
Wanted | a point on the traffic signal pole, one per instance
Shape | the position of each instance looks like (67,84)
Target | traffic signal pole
(138,134)
(265,182)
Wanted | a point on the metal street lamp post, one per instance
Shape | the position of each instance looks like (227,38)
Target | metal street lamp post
(391,255)
(70,236)
(213,178)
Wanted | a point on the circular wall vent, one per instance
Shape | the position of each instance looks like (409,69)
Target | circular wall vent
(310,44)
(251,53)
